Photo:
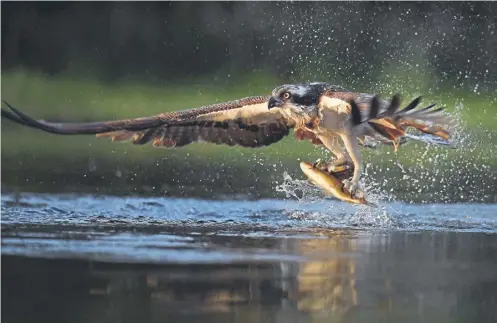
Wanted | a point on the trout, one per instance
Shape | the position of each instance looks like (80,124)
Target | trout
(331,184)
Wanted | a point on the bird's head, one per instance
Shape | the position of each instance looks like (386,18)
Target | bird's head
(299,98)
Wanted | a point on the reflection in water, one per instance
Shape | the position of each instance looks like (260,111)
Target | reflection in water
(327,285)
(347,276)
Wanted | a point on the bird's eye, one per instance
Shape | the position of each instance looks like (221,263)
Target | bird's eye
(286,95)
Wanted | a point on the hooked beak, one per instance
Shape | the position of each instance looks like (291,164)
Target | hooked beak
(274,103)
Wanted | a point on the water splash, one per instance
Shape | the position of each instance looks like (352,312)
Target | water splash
(301,190)
(339,213)
(419,172)
(273,216)
(424,173)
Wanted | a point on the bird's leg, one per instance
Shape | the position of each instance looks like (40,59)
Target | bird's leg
(340,162)
(351,144)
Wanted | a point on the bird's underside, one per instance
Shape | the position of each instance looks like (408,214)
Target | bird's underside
(317,112)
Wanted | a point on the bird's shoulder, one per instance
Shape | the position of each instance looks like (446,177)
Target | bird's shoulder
(243,107)
(340,100)
(336,101)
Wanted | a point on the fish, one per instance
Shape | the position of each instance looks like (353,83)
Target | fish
(331,185)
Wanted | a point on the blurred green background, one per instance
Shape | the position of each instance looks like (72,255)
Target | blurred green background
(101,61)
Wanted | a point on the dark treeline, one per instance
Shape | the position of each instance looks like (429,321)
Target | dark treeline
(161,41)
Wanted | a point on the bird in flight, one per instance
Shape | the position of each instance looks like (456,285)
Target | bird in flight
(320,112)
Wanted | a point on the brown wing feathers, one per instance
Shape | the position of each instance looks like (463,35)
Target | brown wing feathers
(81,128)
(212,123)
(246,122)
(230,132)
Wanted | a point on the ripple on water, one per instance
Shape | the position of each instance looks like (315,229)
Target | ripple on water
(296,214)
(159,230)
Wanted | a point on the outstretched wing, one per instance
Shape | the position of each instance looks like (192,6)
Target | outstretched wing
(246,122)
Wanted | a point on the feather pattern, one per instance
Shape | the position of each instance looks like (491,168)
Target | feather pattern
(249,122)
(246,122)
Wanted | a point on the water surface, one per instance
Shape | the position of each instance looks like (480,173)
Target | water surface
(83,258)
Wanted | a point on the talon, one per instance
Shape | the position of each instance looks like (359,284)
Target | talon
(337,169)
(316,163)
(351,191)
(346,185)
(338,165)
(352,187)
(355,189)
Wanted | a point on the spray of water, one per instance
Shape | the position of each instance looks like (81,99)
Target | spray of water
(419,172)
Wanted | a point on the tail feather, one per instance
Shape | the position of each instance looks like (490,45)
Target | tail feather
(432,140)
(426,114)
(392,122)
(387,132)
(432,130)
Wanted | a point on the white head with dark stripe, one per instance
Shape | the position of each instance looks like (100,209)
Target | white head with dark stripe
(299,98)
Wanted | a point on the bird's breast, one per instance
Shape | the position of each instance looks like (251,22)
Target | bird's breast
(332,121)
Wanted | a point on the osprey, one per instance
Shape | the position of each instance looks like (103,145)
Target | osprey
(322,113)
